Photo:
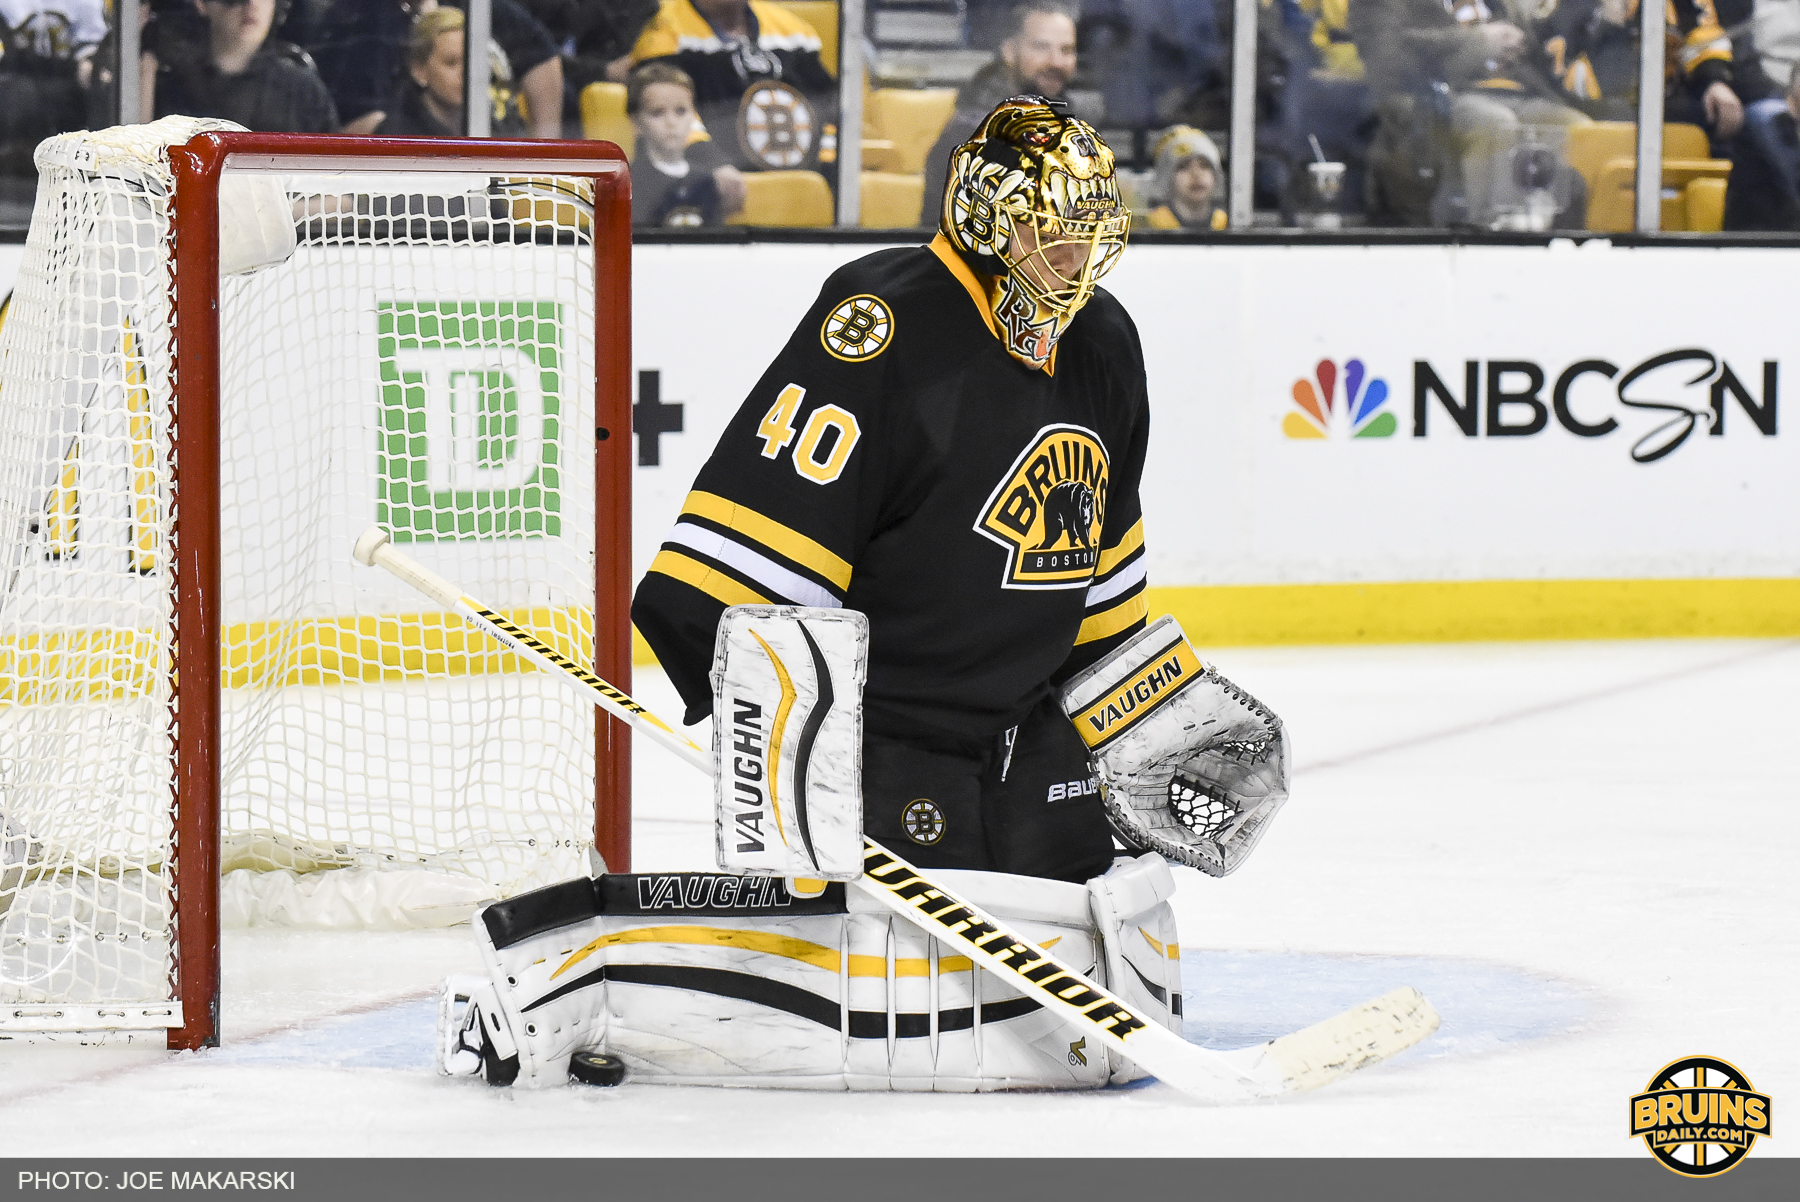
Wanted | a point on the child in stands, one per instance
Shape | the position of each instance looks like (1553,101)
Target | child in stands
(675,181)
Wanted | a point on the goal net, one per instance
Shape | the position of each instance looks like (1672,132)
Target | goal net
(399,340)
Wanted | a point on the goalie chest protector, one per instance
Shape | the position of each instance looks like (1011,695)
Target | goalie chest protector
(895,459)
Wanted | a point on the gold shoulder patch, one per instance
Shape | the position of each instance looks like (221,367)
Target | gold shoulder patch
(858,329)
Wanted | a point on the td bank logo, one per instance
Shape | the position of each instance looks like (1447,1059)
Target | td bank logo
(470,419)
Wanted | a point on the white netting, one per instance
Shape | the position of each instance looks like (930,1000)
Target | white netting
(422,358)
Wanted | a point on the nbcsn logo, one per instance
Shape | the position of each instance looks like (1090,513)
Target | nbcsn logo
(1318,409)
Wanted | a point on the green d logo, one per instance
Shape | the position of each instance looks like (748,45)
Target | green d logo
(470,419)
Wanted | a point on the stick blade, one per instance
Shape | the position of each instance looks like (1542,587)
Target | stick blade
(1377,1029)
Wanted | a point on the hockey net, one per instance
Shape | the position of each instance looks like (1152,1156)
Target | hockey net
(400,340)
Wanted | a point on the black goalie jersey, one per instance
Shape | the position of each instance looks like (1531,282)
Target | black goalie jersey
(895,459)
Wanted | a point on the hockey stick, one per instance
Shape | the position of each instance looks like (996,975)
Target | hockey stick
(1303,1060)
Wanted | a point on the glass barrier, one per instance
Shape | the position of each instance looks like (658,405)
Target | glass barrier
(57,73)
(1351,114)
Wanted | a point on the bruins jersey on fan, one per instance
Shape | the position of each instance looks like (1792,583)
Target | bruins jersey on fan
(895,459)
(767,100)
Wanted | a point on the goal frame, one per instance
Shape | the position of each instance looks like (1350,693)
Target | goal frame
(195,715)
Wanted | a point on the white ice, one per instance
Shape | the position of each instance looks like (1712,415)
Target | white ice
(1584,853)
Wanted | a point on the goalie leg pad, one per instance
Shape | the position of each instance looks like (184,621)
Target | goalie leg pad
(708,978)
(1141,948)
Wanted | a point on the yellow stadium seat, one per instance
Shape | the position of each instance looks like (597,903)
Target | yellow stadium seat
(1590,148)
(1705,205)
(891,201)
(1685,142)
(1612,207)
(1605,153)
(910,118)
(785,198)
(603,115)
(822,15)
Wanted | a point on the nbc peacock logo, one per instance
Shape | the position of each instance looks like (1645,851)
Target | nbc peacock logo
(1319,409)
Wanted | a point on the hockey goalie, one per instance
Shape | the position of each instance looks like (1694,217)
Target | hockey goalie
(908,587)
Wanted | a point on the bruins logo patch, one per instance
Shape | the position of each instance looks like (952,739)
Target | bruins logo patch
(1049,509)
(858,329)
(923,821)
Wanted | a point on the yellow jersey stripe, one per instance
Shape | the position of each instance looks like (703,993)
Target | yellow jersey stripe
(713,583)
(786,542)
(1111,557)
(940,246)
(1112,621)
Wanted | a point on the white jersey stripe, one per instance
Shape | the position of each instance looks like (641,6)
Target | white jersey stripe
(760,568)
(1121,580)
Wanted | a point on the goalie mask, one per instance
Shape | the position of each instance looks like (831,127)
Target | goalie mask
(1033,201)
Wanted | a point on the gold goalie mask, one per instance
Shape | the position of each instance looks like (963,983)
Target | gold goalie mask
(1033,202)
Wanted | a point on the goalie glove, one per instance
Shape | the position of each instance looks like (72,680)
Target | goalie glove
(1194,768)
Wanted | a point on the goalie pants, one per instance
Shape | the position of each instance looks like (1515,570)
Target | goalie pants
(1024,802)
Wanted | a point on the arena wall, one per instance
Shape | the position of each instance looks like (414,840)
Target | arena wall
(1570,441)
(1545,442)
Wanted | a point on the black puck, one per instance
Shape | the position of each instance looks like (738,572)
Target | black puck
(596,1068)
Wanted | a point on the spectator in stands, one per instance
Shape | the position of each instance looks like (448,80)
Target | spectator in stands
(595,37)
(537,71)
(1185,193)
(759,84)
(46,67)
(674,180)
(364,48)
(235,71)
(1593,46)
(1149,56)
(1037,56)
(1454,87)
(432,107)
(1764,188)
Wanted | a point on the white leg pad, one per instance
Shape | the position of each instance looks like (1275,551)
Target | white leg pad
(710,978)
(1141,947)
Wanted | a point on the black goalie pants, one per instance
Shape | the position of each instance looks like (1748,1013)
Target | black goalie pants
(1025,802)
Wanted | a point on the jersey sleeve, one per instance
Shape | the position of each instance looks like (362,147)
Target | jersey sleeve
(787,502)
(1116,607)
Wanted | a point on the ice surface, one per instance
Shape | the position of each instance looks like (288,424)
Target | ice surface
(1584,854)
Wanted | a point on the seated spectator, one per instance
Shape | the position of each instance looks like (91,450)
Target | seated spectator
(1150,56)
(46,65)
(1454,87)
(674,181)
(1764,188)
(537,73)
(1037,57)
(363,48)
(431,104)
(1185,194)
(596,37)
(233,70)
(759,84)
(1593,49)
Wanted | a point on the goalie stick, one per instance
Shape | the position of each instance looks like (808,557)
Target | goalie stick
(1303,1060)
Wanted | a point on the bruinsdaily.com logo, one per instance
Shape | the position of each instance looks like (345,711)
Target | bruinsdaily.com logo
(1700,1116)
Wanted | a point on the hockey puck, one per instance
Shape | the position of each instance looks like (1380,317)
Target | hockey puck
(596,1068)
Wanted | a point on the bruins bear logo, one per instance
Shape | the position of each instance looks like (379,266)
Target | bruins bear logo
(1068,510)
(1049,510)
